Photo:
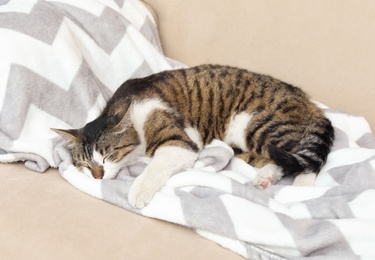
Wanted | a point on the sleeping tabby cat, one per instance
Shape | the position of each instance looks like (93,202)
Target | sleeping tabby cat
(170,115)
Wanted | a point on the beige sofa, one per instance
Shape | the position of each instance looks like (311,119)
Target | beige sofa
(326,47)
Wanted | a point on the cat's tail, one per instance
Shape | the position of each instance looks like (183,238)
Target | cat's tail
(312,151)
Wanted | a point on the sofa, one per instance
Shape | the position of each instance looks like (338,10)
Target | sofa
(325,47)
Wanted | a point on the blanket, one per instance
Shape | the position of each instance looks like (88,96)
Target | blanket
(60,73)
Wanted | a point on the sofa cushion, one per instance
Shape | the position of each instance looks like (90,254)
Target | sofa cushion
(44,217)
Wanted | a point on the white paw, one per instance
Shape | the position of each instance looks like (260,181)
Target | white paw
(166,161)
(262,182)
(267,176)
(141,193)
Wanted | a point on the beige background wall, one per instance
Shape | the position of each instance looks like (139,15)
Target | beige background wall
(327,47)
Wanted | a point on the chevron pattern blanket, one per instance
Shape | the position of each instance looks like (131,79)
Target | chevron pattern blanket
(62,59)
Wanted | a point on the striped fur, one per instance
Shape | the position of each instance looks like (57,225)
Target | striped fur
(266,121)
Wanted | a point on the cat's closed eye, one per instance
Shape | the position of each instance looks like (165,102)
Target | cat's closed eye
(81,164)
(125,146)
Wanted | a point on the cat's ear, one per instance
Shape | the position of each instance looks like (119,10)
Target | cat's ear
(126,120)
(112,121)
(121,120)
(71,135)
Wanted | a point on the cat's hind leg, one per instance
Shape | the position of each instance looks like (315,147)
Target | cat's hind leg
(268,174)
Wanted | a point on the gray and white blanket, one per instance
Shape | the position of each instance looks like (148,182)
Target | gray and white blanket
(62,59)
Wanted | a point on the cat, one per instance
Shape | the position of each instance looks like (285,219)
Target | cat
(171,115)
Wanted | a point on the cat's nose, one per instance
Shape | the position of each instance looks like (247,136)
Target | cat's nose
(98,172)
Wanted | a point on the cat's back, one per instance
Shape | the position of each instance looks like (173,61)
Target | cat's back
(206,81)
(215,90)
(203,81)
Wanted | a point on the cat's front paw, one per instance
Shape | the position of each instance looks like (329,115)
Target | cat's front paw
(140,194)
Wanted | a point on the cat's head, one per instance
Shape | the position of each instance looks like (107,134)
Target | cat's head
(102,147)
